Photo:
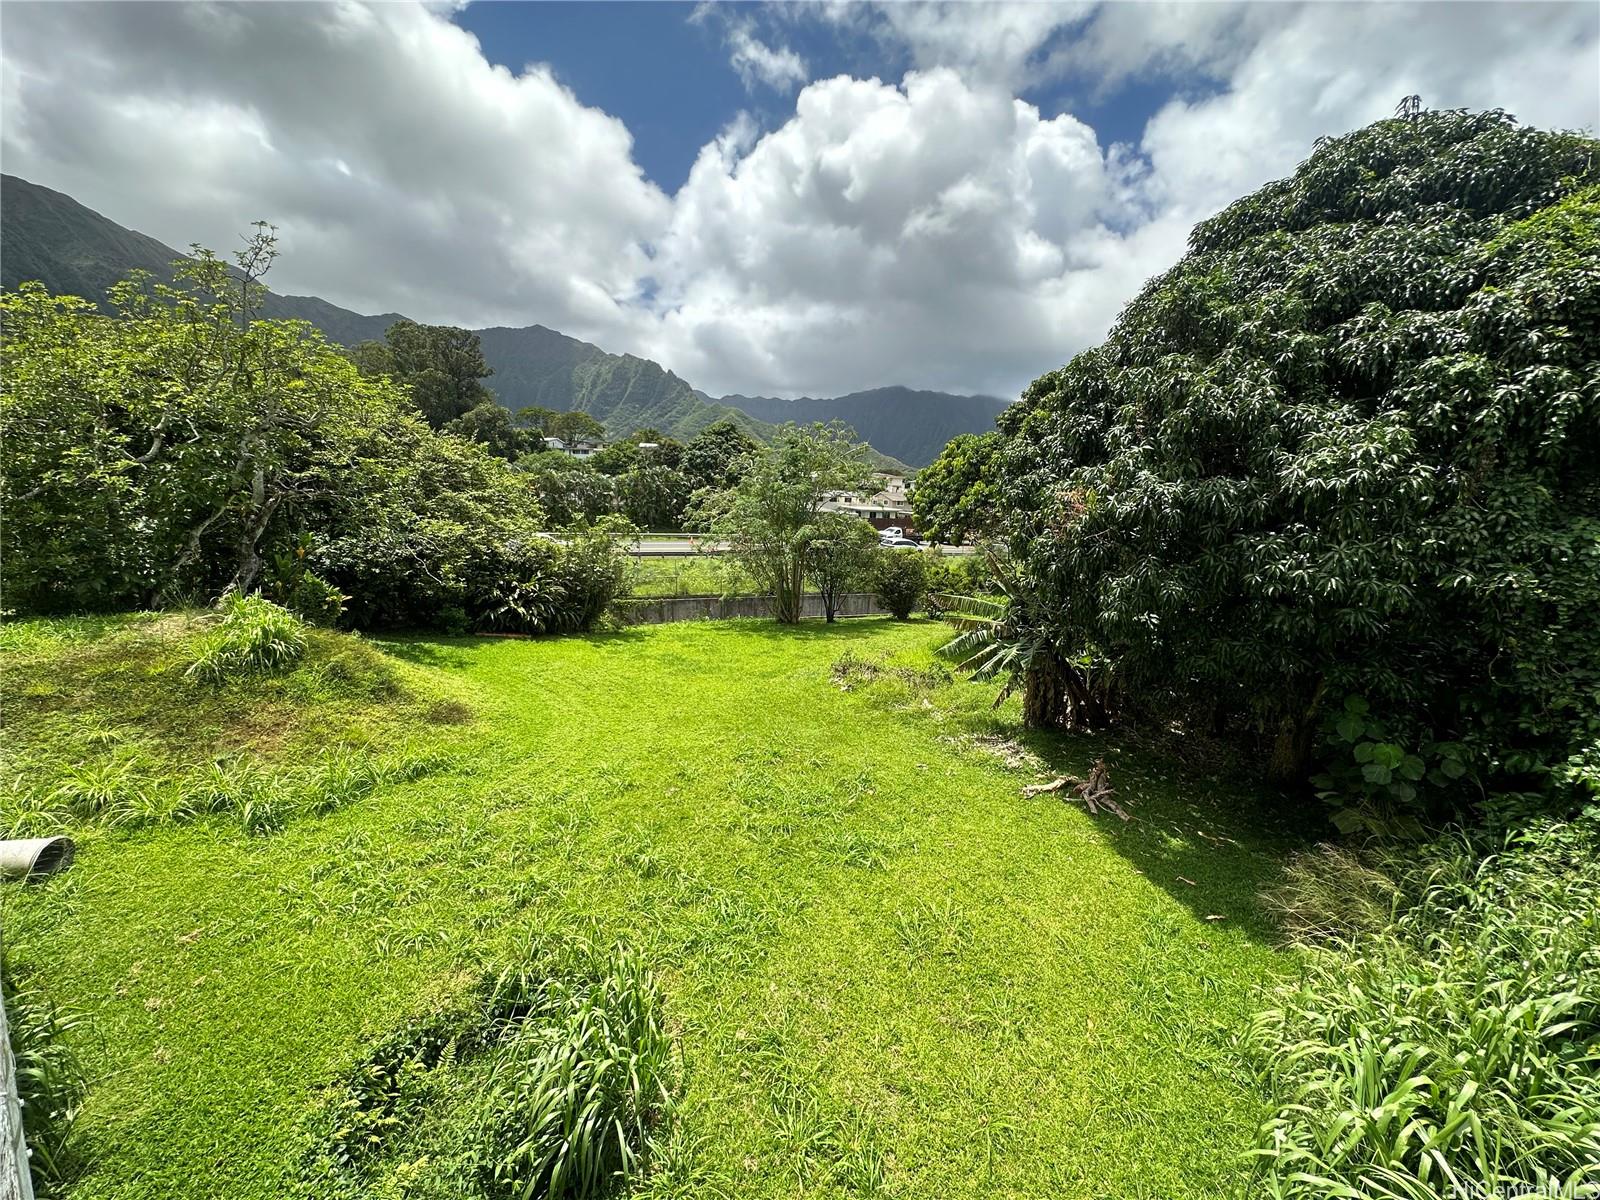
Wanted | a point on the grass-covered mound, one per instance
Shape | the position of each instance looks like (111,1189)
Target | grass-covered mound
(882,969)
(245,714)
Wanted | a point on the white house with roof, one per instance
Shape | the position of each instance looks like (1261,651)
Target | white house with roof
(889,504)
(579,448)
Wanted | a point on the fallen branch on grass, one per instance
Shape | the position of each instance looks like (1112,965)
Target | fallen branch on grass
(1094,792)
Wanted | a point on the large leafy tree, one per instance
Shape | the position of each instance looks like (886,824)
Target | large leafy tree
(492,426)
(574,427)
(1333,478)
(153,454)
(178,447)
(441,366)
(771,514)
(569,489)
(957,495)
(716,456)
(653,496)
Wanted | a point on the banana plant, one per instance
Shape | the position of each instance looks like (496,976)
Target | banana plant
(1010,637)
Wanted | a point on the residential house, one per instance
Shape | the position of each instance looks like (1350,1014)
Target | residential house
(888,504)
(580,448)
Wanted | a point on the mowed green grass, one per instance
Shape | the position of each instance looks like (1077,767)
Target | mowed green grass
(888,972)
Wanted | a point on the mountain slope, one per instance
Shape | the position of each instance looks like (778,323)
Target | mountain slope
(48,236)
(911,425)
(73,250)
(535,365)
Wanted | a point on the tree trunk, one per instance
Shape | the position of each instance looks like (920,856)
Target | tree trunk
(786,602)
(1044,699)
(1295,740)
(263,506)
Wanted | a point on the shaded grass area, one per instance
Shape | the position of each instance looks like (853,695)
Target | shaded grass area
(886,972)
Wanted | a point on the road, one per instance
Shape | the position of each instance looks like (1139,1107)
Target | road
(683,546)
(651,546)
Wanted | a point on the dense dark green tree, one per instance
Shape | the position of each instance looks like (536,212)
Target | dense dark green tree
(1333,478)
(569,489)
(492,427)
(957,496)
(716,456)
(653,497)
(574,427)
(656,448)
(442,368)
(617,459)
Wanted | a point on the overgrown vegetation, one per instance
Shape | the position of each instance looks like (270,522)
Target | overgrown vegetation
(555,1078)
(255,635)
(180,449)
(1451,1047)
(1341,455)
(50,1080)
(1326,497)
(120,731)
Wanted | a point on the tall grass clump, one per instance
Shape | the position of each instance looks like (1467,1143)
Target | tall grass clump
(556,1079)
(577,1084)
(50,1081)
(1455,1050)
(255,637)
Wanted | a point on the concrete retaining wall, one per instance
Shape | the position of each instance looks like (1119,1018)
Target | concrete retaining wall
(715,608)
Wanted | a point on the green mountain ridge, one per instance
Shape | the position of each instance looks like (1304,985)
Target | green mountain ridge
(910,424)
(535,365)
(71,249)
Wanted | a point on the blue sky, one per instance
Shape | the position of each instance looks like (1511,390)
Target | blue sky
(662,67)
(945,195)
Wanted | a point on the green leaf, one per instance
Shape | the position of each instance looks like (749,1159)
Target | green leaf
(1350,728)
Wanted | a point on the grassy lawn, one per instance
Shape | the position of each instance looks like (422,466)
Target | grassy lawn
(687,575)
(888,973)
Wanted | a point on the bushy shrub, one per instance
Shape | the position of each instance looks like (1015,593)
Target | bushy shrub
(307,595)
(949,575)
(900,580)
(256,637)
(1345,448)
(1455,1051)
(143,463)
(300,476)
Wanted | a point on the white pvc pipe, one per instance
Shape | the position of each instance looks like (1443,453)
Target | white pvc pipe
(22,857)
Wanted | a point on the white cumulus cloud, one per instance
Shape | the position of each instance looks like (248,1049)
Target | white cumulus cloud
(404,171)
(932,230)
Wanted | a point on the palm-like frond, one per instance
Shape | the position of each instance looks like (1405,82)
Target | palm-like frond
(999,637)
